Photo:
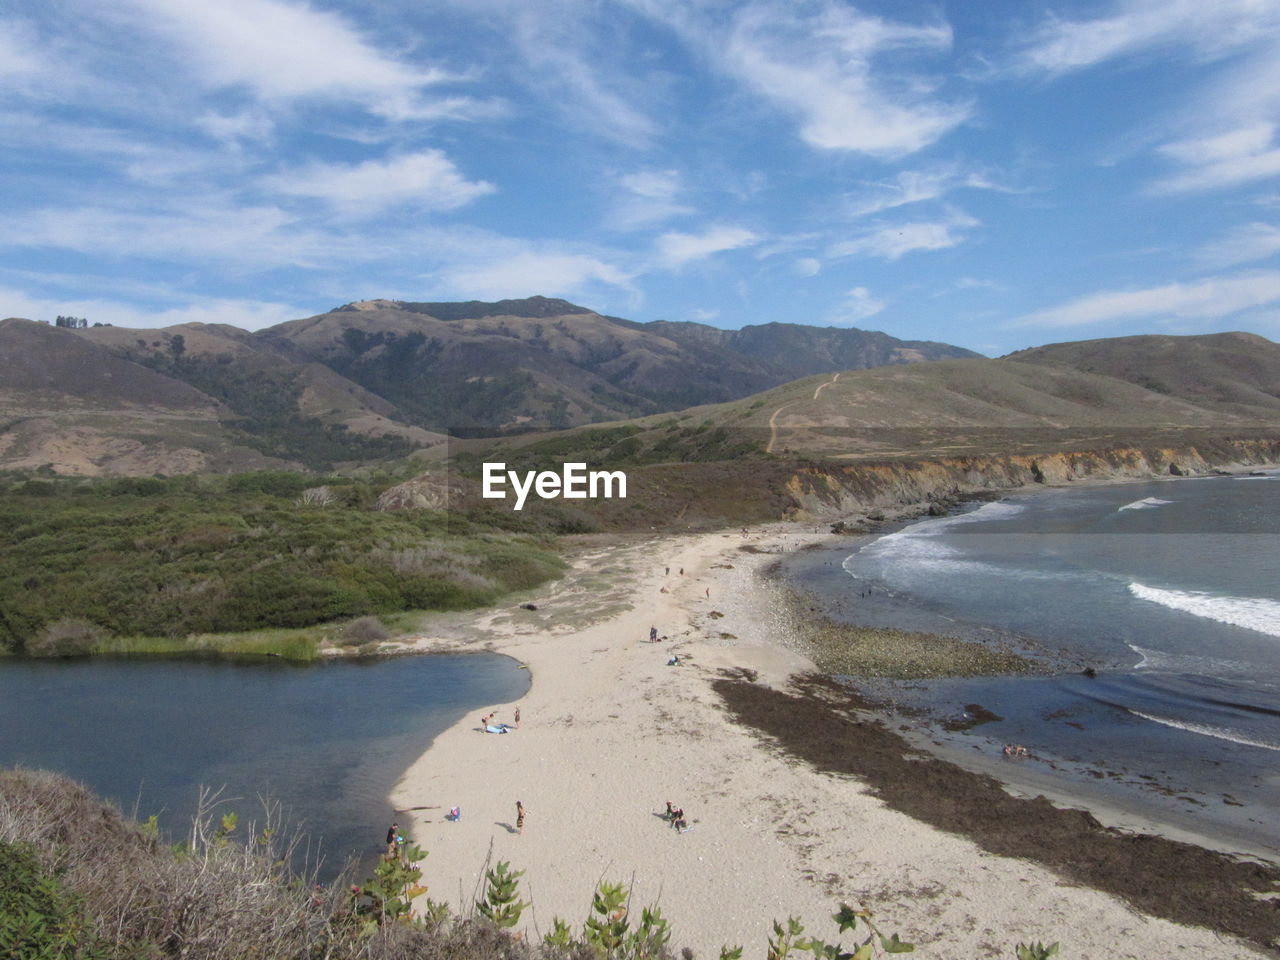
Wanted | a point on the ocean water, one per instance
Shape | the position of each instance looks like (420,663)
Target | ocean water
(327,741)
(1169,590)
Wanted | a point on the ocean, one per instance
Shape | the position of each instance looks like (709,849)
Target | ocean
(1169,591)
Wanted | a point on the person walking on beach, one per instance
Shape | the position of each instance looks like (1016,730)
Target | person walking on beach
(653,634)
(519,817)
(517,718)
(392,836)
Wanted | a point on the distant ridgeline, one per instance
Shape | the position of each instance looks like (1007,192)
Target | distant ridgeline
(378,380)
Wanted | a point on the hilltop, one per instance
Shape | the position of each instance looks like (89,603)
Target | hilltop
(377,380)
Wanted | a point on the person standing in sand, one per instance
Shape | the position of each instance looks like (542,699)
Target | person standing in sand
(519,817)
(517,718)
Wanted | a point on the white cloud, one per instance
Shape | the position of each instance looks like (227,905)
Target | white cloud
(244,125)
(18,55)
(808,266)
(246,314)
(858,305)
(818,65)
(1212,29)
(912,186)
(570,51)
(893,242)
(649,197)
(426,180)
(1245,244)
(1208,299)
(675,249)
(1237,156)
(254,238)
(284,51)
(530,272)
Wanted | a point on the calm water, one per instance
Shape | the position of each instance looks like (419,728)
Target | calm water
(328,741)
(1171,590)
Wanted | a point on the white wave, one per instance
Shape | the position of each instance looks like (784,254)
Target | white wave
(1252,613)
(1185,663)
(1205,730)
(1145,504)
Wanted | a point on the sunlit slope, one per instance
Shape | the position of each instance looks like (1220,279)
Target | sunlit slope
(1236,373)
(971,406)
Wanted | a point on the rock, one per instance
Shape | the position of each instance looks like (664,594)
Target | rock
(425,492)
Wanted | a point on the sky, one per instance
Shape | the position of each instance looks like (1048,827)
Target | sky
(995,174)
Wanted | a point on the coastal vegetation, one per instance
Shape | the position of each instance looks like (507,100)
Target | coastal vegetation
(241,564)
(78,881)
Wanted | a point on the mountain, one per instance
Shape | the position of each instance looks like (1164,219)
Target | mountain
(950,408)
(539,362)
(72,406)
(1236,373)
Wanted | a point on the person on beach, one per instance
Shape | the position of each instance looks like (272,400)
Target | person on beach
(671,811)
(393,836)
(653,634)
(519,817)
(517,718)
(677,819)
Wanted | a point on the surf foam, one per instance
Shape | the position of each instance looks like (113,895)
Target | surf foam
(1205,730)
(1251,613)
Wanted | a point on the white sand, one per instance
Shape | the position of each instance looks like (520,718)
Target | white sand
(609,733)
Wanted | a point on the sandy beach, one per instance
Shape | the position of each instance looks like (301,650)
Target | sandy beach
(609,732)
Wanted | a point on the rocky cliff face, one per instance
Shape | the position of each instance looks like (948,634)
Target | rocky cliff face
(830,491)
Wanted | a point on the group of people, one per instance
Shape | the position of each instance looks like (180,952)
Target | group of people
(1015,750)
(487,724)
(675,816)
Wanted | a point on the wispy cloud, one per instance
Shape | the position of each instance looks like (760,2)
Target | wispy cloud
(1242,155)
(284,51)
(648,197)
(858,305)
(676,249)
(1208,299)
(913,186)
(1246,243)
(521,273)
(1211,29)
(892,242)
(246,314)
(816,60)
(426,181)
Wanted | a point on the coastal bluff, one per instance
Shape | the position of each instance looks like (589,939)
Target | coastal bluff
(829,490)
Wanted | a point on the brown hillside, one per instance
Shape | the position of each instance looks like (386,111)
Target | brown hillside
(1237,373)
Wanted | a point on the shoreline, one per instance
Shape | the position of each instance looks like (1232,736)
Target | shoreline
(609,733)
(1126,798)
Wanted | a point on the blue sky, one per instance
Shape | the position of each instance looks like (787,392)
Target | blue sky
(994,174)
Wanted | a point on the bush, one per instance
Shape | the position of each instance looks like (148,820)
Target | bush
(67,637)
(362,631)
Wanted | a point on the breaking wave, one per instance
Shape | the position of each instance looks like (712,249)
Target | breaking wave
(1251,613)
(1206,730)
(1145,504)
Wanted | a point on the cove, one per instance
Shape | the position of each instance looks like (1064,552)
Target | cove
(327,741)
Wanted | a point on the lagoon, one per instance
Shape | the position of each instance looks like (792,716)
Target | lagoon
(326,741)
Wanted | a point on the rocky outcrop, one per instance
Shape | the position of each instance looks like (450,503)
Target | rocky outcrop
(423,492)
(832,490)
